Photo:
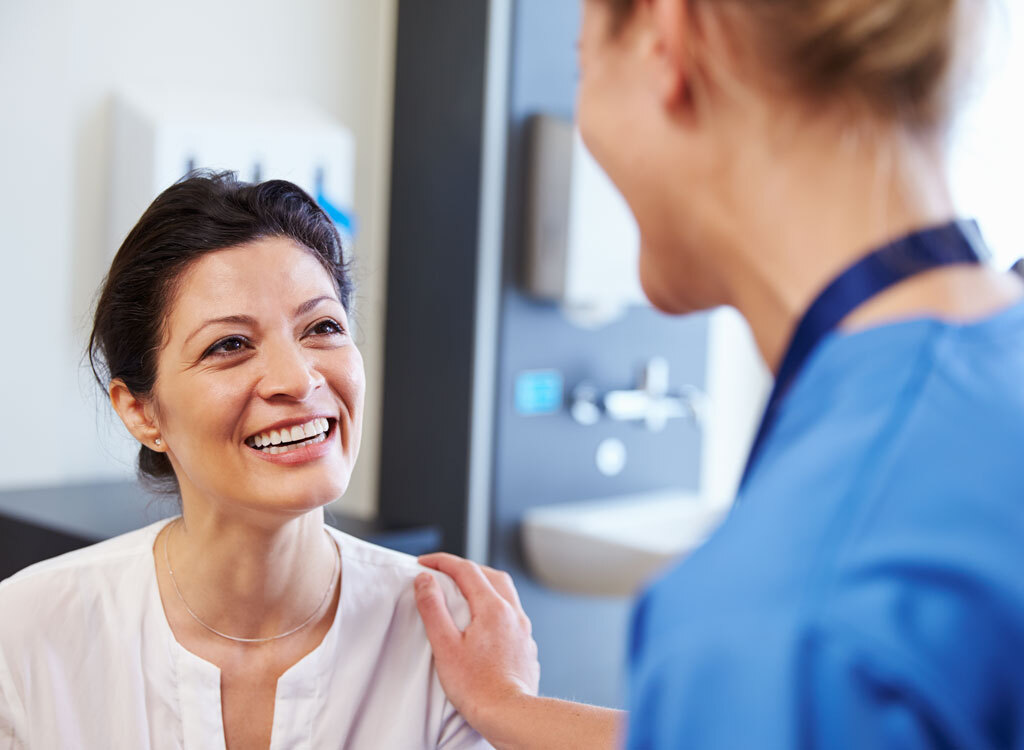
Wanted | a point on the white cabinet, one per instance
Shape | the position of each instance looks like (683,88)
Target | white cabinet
(158,139)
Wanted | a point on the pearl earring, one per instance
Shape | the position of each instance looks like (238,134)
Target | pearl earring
(157,441)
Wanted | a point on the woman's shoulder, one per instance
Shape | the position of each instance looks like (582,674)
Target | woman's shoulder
(391,574)
(108,553)
(55,589)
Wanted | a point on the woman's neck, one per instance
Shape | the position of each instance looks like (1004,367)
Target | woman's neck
(246,577)
(798,219)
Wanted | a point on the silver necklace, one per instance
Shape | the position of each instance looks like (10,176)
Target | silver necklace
(296,629)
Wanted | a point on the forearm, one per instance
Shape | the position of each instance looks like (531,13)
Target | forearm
(535,723)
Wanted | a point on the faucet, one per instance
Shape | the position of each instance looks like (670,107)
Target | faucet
(650,403)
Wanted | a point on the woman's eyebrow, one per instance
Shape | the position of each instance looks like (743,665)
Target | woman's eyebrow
(246,320)
(308,305)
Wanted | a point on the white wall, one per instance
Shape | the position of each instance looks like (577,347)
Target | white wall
(60,62)
(987,159)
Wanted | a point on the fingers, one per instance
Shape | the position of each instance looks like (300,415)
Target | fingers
(437,620)
(464,570)
(467,576)
(503,584)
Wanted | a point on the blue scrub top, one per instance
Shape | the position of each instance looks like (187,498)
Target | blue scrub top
(867,591)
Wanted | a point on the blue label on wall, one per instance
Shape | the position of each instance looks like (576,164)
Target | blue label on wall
(539,392)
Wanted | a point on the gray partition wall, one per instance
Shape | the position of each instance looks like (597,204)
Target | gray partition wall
(455,451)
(432,263)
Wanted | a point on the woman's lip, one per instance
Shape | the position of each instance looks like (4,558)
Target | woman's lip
(304,454)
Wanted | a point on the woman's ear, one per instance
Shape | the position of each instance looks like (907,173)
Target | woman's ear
(137,414)
(671,27)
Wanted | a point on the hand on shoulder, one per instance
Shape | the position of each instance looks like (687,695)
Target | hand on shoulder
(493,662)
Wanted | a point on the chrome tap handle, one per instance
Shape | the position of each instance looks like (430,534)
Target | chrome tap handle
(585,405)
(655,378)
(651,403)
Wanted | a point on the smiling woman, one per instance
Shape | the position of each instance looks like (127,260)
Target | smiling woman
(222,338)
(255,341)
(159,256)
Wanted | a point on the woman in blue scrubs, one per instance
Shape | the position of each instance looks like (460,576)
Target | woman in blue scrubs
(786,157)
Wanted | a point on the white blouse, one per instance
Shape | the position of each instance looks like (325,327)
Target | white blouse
(88,660)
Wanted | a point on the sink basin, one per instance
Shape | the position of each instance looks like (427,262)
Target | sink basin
(613,547)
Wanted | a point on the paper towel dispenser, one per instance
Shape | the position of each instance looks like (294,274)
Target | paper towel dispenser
(581,241)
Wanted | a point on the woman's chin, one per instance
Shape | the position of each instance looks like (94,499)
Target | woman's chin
(662,299)
(669,299)
(292,497)
(311,498)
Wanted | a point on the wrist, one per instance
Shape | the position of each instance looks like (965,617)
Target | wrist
(504,720)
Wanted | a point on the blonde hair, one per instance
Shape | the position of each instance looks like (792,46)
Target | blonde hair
(894,57)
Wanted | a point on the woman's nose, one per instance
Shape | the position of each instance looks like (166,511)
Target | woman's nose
(289,372)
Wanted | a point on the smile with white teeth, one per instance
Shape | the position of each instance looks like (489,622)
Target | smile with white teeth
(289,438)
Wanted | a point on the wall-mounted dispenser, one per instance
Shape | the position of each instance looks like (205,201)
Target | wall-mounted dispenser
(581,240)
(158,138)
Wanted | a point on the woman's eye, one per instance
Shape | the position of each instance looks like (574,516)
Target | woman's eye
(229,345)
(326,328)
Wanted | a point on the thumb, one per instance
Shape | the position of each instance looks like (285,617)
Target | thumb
(437,620)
